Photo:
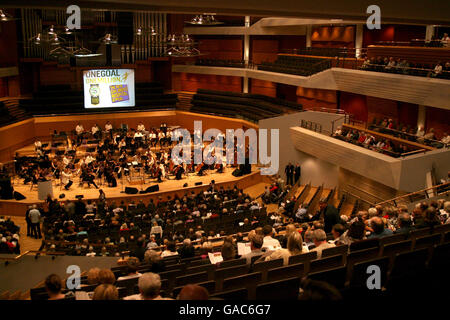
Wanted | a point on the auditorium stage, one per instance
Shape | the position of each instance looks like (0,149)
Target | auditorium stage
(166,188)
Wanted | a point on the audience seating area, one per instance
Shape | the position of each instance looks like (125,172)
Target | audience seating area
(402,66)
(297,65)
(59,99)
(5,116)
(221,63)
(250,106)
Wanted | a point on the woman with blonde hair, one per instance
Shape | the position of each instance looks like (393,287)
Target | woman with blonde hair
(106,292)
(294,247)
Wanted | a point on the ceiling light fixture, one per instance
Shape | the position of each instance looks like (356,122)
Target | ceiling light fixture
(5,17)
(205,19)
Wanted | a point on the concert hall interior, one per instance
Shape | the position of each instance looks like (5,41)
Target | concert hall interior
(260,151)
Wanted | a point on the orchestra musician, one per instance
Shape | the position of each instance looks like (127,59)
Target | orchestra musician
(66,178)
(79,129)
(87,176)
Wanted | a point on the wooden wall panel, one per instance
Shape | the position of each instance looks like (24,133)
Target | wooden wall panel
(354,104)
(264,49)
(225,48)
(267,88)
(15,136)
(192,82)
(8,43)
(316,98)
(438,119)
(332,36)
(379,108)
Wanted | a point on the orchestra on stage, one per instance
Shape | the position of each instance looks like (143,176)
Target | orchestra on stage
(107,156)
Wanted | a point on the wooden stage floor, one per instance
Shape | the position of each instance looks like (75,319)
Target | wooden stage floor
(166,188)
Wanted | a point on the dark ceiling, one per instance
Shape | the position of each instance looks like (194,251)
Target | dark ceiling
(392,11)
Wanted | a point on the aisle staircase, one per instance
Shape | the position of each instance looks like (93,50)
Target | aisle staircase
(184,100)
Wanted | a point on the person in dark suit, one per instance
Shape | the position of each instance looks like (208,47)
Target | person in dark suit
(330,215)
(187,250)
(289,170)
(297,172)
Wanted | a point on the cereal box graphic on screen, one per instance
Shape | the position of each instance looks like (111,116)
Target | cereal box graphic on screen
(119,93)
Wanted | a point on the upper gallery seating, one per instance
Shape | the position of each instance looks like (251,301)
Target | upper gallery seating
(297,65)
(5,116)
(221,63)
(61,99)
(250,106)
(402,66)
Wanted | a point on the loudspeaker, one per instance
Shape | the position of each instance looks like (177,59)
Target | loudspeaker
(185,185)
(198,183)
(237,173)
(19,196)
(153,188)
(129,190)
(62,196)
(6,190)
(79,196)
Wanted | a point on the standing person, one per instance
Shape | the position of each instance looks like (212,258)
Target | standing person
(28,221)
(289,170)
(35,219)
(66,176)
(330,215)
(297,172)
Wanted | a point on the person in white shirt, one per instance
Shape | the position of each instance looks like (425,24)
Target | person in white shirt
(89,159)
(108,126)
(66,176)
(420,132)
(132,271)
(79,129)
(149,287)
(161,137)
(270,243)
(319,238)
(94,130)
(445,138)
(37,144)
(436,71)
(141,127)
(294,247)
(35,219)
(445,40)
(138,134)
(171,250)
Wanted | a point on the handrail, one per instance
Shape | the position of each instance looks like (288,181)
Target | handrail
(359,198)
(31,252)
(370,194)
(447,184)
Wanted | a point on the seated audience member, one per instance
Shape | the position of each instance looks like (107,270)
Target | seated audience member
(338,231)
(320,241)
(92,279)
(269,243)
(106,276)
(53,286)
(193,292)
(154,259)
(171,250)
(132,269)
(445,138)
(313,290)
(106,292)
(187,250)
(149,288)
(256,243)
(228,251)
(294,247)
(404,223)
(437,71)
(378,228)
